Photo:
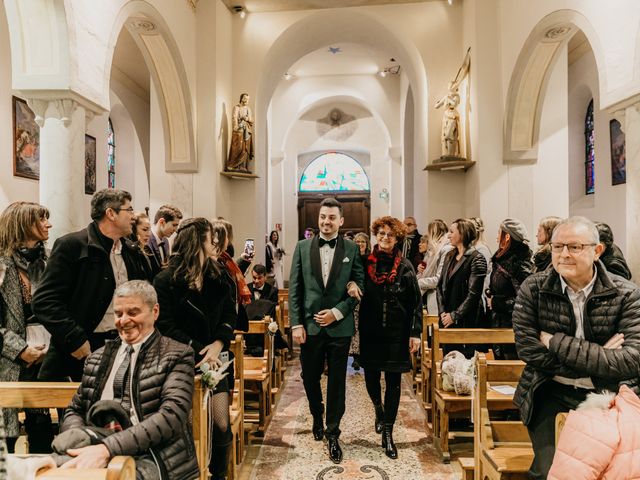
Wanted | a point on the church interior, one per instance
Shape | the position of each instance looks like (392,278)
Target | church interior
(407,108)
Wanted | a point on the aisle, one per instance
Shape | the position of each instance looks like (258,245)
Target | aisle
(290,453)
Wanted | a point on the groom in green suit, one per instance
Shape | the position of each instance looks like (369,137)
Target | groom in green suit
(324,270)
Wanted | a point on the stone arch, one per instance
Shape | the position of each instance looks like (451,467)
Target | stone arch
(353,99)
(41,61)
(310,34)
(162,56)
(530,77)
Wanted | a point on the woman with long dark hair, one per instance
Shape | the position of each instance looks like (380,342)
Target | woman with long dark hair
(390,324)
(196,308)
(511,266)
(24,229)
(460,286)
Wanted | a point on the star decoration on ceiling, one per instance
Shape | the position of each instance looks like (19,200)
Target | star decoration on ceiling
(335,50)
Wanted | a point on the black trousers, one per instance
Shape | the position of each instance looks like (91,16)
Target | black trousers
(549,400)
(313,354)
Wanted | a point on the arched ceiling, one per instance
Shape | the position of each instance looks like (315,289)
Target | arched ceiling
(280,5)
(343,58)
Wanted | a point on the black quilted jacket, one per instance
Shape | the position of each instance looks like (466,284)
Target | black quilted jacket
(613,306)
(162,393)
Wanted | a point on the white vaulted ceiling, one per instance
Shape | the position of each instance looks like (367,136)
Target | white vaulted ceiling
(282,5)
(348,59)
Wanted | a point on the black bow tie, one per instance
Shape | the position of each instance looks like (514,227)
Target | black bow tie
(331,243)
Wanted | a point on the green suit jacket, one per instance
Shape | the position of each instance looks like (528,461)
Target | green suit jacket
(308,295)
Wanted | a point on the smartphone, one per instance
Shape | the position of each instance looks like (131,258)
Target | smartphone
(249,247)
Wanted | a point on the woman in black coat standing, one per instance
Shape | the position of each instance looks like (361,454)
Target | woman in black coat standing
(459,290)
(197,309)
(511,266)
(390,324)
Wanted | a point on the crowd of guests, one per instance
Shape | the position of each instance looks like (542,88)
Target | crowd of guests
(132,309)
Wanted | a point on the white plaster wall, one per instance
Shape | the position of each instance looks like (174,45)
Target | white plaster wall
(11,188)
(612,29)
(608,203)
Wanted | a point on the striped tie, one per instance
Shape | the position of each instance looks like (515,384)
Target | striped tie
(120,380)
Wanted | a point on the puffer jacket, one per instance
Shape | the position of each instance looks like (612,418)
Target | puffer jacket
(162,393)
(613,306)
(600,440)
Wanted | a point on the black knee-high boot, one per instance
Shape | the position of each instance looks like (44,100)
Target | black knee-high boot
(390,449)
(219,461)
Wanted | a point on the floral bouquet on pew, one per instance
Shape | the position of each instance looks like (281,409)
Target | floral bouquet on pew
(211,376)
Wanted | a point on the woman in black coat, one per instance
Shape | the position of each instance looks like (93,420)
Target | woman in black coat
(459,289)
(390,324)
(196,308)
(511,266)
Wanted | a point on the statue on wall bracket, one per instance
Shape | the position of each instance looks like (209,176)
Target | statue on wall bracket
(241,150)
(450,134)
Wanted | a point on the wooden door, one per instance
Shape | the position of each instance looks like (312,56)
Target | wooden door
(356,206)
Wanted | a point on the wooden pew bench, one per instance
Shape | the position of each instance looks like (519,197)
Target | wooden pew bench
(446,403)
(236,409)
(119,468)
(502,449)
(428,321)
(258,379)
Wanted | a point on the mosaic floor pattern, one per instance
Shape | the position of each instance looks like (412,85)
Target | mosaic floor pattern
(289,452)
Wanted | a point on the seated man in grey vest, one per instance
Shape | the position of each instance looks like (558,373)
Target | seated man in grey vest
(151,378)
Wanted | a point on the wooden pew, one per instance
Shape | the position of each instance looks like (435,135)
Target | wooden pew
(258,377)
(279,361)
(426,369)
(59,394)
(283,302)
(236,409)
(502,449)
(446,403)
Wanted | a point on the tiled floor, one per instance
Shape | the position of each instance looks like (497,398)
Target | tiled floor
(288,451)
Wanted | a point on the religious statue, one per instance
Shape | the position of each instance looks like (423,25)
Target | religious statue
(241,150)
(336,125)
(450,136)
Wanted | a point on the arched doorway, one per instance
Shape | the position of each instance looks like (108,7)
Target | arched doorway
(339,175)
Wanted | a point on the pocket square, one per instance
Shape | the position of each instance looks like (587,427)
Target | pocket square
(346,260)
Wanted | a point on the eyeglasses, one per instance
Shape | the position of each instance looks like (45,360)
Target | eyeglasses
(573,248)
(385,234)
(118,210)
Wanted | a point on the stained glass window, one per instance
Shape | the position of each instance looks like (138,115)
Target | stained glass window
(590,152)
(333,171)
(111,156)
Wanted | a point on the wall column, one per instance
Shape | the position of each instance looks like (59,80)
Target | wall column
(62,128)
(629,119)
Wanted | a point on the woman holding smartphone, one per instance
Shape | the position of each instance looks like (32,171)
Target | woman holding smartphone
(196,308)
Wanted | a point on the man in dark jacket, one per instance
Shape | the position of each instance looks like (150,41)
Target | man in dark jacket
(74,300)
(411,243)
(152,377)
(577,327)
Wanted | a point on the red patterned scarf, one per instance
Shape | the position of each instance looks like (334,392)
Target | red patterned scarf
(381,277)
(244,294)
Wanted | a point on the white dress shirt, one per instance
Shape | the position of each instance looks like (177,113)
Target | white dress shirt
(578,300)
(107,392)
(120,275)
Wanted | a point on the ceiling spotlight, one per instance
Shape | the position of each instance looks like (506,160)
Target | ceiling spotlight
(450,2)
(239,9)
(288,76)
(382,73)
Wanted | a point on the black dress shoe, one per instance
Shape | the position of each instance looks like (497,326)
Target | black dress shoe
(318,429)
(335,452)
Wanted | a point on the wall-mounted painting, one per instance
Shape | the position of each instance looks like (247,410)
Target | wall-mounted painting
(618,154)
(89,164)
(26,141)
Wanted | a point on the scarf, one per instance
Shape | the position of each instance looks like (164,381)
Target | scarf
(243,292)
(31,261)
(381,277)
